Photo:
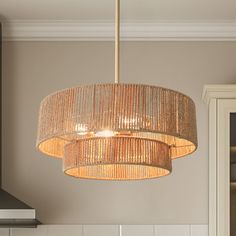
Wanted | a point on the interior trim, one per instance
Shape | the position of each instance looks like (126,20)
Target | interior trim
(104,31)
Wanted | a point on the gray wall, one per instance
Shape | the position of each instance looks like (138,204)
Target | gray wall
(32,70)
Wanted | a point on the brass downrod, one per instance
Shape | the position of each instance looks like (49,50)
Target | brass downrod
(117,42)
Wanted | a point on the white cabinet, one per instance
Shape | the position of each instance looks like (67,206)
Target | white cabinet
(221,100)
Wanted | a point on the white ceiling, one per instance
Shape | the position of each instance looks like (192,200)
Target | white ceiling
(132,10)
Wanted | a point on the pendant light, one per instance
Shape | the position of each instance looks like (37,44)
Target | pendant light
(117,131)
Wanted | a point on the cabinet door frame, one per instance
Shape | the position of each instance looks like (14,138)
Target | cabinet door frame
(222,101)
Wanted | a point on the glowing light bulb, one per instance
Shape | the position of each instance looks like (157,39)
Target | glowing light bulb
(81,129)
(105,133)
(131,121)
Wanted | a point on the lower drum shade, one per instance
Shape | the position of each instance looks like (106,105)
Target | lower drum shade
(117,158)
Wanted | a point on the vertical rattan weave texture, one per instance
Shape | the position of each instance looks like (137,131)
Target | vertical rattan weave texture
(150,114)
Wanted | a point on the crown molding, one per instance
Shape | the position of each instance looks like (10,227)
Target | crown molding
(104,31)
(218,91)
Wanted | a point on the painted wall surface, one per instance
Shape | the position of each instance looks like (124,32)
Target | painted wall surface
(32,70)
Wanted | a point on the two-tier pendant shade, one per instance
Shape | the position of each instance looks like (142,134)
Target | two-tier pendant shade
(117,131)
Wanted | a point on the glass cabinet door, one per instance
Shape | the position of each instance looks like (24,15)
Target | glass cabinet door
(233,174)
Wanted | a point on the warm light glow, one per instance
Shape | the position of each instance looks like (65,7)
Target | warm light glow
(81,129)
(105,133)
(130,121)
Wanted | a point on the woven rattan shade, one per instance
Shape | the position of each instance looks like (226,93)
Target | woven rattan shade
(80,117)
(117,158)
